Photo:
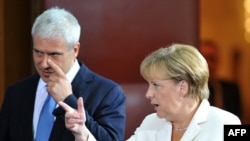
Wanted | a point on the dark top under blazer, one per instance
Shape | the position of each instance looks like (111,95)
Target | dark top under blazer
(104,103)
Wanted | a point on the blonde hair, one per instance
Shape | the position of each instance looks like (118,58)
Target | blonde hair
(179,62)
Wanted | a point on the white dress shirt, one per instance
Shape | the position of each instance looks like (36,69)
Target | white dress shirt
(41,94)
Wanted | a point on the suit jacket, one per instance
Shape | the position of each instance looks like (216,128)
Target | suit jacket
(207,124)
(230,95)
(104,103)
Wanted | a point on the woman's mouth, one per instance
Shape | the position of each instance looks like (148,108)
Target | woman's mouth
(155,106)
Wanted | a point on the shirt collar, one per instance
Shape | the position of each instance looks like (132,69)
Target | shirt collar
(73,71)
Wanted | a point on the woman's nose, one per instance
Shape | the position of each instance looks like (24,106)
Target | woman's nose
(149,94)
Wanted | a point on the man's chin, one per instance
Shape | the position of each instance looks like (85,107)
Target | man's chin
(45,79)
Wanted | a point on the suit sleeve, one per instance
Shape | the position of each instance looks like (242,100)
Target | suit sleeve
(4,130)
(107,123)
(105,112)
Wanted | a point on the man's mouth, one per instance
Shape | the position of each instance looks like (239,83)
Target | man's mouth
(46,73)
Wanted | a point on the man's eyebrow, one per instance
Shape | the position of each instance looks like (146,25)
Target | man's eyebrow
(55,52)
(34,49)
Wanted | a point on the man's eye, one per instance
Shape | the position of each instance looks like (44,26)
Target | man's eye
(38,52)
(54,54)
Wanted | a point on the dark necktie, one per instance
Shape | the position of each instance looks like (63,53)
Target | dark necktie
(46,120)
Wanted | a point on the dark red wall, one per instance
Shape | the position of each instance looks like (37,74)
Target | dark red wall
(117,34)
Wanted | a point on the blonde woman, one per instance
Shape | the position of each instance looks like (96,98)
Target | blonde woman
(178,89)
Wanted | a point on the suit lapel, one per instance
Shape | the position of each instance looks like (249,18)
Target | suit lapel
(192,133)
(27,99)
(59,131)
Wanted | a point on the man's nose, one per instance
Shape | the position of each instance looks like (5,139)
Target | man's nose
(44,61)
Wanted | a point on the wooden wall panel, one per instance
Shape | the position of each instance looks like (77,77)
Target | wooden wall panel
(117,34)
(1,51)
(15,43)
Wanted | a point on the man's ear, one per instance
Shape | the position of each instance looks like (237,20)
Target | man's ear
(76,49)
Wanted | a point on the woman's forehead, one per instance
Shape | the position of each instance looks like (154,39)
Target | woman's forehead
(156,73)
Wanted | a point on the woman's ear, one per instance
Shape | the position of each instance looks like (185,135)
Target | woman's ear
(183,88)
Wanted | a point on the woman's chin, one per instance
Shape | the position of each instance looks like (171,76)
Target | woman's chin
(160,115)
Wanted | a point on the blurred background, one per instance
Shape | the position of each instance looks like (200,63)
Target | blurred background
(118,34)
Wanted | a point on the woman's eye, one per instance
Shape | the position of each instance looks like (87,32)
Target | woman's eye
(155,85)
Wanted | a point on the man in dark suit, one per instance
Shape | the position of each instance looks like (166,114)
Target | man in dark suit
(60,75)
(223,93)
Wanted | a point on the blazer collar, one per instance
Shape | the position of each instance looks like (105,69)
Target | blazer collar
(162,134)
(193,129)
(199,118)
